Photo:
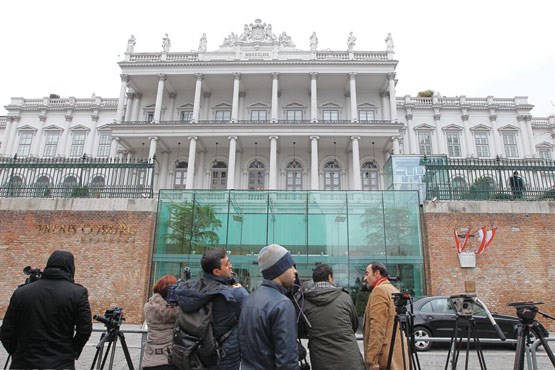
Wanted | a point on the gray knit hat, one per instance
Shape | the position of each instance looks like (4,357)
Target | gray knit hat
(274,260)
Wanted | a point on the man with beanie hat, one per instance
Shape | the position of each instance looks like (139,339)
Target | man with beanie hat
(268,326)
(48,321)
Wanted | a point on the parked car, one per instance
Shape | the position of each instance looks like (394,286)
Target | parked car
(435,317)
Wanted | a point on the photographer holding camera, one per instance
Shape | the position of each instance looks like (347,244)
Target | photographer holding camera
(48,321)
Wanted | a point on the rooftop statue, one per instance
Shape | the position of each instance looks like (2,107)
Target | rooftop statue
(313,42)
(131,45)
(351,42)
(230,40)
(166,43)
(202,44)
(389,42)
(285,40)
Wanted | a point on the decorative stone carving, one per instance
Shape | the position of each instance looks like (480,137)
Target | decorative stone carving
(351,41)
(131,45)
(285,40)
(313,42)
(230,40)
(389,43)
(166,43)
(202,44)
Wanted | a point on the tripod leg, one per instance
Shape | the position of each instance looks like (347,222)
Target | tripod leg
(126,351)
(519,354)
(452,346)
(99,350)
(105,356)
(392,343)
(478,345)
(544,344)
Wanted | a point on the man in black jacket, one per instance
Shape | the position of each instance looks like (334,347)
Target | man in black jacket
(48,321)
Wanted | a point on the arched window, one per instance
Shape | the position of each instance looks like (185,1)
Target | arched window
(257,175)
(369,172)
(42,187)
(332,173)
(219,175)
(180,178)
(15,187)
(70,183)
(458,186)
(294,175)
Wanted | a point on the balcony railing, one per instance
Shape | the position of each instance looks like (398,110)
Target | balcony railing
(261,122)
(489,179)
(75,178)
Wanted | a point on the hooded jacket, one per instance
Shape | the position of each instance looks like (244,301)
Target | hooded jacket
(226,309)
(331,340)
(48,321)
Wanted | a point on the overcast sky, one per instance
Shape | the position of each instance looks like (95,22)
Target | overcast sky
(503,48)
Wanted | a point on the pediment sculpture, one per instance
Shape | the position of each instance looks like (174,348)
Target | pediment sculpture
(258,32)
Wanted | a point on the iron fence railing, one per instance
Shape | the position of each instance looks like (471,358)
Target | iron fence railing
(76,178)
(488,179)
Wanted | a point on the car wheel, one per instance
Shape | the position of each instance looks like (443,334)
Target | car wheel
(422,345)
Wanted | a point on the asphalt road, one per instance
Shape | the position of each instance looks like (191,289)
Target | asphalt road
(496,357)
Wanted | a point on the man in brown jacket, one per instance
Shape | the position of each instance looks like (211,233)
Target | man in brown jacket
(378,323)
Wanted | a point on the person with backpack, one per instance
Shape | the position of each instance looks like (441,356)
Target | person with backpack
(160,318)
(217,294)
(268,323)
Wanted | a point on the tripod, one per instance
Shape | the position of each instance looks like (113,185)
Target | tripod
(405,320)
(111,336)
(526,312)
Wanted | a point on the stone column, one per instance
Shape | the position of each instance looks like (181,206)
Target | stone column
(275,80)
(91,137)
(411,136)
(439,135)
(163,178)
(129,106)
(231,166)
(152,150)
(353,88)
(121,101)
(196,101)
(528,123)
(37,141)
(159,97)
(136,107)
(191,162)
(385,107)
(313,97)
(201,169)
(235,102)
(497,146)
(314,183)
(242,104)
(396,145)
(10,136)
(114,147)
(392,96)
(273,162)
(357,182)
(171,113)
(206,105)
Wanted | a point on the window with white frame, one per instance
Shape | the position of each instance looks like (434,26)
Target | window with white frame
(453,144)
(332,173)
(259,115)
(77,144)
(180,175)
(482,146)
(186,116)
(223,115)
(294,115)
(366,115)
(545,153)
(51,144)
(257,175)
(150,116)
(219,175)
(41,187)
(369,173)
(425,143)
(24,146)
(294,175)
(104,145)
(509,142)
(330,115)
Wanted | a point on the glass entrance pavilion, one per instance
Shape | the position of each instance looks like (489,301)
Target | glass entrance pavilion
(346,229)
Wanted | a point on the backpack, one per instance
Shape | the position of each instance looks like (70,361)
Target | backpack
(195,346)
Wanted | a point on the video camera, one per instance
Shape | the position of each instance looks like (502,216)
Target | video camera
(526,311)
(463,304)
(171,298)
(113,317)
(33,274)
(402,298)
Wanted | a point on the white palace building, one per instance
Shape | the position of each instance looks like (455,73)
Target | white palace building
(260,113)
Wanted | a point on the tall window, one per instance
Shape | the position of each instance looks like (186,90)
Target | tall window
(545,153)
(332,173)
(330,115)
(294,175)
(42,187)
(180,178)
(219,175)
(77,145)
(223,115)
(453,144)
(104,144)
(51,144)
(69,184)
(369,173)
(257,174)
(259,115)
(482,147)
(15,186)
(187,115)
(294,115)
(425,142)
(366,115)
(511,149)
(24,146)
(149,116)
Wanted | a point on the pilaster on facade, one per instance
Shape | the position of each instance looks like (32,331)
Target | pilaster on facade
(235,101)
(313,97)
(159,97)
(121,101)
(353,96)
(392,97)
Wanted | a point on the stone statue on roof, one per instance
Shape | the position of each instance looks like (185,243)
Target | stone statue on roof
(246,33)
(230,40)
(389,42)
(351,42)
(166,43)
(285,40)
(202,44)
(131,45)
(313,42)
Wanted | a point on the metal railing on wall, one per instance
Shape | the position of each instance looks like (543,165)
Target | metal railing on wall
(489,179)
(82,177)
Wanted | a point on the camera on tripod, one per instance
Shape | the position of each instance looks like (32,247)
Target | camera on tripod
(171,298)
(526,311)
(112,318)
(463,304)
(402,298)
(33,274)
